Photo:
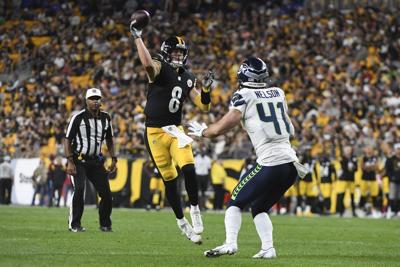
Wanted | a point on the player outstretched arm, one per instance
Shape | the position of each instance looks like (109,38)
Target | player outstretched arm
(151,66)
(203,99)
(228,121)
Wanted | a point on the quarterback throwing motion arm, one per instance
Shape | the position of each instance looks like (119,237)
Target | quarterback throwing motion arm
(201,99)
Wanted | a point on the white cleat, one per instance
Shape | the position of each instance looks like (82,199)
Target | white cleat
(197,221)
(187,230)
(265,254)
(225,249)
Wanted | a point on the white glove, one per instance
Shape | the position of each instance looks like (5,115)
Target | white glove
(135,32)
(208,79)
(196,129)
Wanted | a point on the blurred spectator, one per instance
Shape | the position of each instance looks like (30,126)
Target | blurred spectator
(39,181)
(203,168)
(392,168)
(218,176)
(6,180)
(58,176)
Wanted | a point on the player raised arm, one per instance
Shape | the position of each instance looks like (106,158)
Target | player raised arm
(203,99)
(152,67)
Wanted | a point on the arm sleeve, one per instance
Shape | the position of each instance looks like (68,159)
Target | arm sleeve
(238,102)
(157,69)
(205,96)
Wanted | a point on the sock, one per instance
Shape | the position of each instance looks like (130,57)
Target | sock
(189,174)
(264,229)
(171,192)
(194,208)
(181,221)
(233,221)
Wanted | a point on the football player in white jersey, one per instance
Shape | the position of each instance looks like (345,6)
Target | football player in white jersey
(262,110)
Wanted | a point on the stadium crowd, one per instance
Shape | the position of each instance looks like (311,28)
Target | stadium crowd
(340,71)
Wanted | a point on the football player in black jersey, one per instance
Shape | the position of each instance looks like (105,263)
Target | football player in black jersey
(369,184)
(170,84)
(349,167)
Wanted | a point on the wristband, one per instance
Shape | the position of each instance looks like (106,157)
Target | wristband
(205,97)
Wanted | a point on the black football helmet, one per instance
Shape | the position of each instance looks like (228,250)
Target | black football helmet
(171,44)
(254,73)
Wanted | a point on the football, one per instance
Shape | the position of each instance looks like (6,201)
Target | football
(140,19)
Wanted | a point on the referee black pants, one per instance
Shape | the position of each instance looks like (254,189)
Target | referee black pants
(97,174)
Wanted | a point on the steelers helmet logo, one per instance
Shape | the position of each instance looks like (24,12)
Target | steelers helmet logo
(190,83)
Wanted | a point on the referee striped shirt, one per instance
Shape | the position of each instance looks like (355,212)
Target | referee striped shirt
(87,133)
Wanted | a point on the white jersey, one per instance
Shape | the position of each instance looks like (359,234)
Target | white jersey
(264,117)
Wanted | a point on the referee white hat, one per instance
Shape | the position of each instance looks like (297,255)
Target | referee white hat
(93,92)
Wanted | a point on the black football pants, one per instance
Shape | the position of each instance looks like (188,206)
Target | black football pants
(96,173)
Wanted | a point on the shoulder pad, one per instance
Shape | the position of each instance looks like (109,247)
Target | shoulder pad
(237,99)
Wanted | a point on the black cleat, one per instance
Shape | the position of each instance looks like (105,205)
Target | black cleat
(106,229)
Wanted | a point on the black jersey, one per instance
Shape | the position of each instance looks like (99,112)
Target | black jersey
(165,96)
(392,167)
(369,162)
(349,168)
(309,163)
(328,172)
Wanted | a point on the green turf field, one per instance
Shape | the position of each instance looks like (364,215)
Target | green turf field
(39,237)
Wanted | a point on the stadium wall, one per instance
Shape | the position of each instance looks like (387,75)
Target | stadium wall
(130,187)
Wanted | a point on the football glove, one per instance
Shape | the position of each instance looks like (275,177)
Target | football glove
(208,80)
(196,129)
(135,32)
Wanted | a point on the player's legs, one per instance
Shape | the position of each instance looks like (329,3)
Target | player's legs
(364,188)
(157,143)
(341,189)
(374,190)
(275,183)
(233,221)
(2,191)
(233,216)
(352,188)
(184,158)
(263,187)
(312,194)
(326,191)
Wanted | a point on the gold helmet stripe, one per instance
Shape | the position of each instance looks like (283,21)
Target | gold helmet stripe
(180,41)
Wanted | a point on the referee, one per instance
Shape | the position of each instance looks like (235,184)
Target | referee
(85,134)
